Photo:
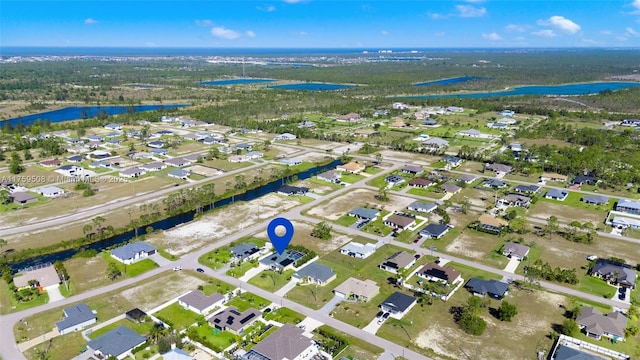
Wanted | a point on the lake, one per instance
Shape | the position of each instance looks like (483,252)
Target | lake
(450,81)
(76,112)
(238,81)
(566,89)
(311,87)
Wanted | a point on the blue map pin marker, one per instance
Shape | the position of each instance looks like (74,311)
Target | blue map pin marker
(280,242)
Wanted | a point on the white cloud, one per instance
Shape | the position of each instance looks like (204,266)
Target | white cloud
(606,32)
(250,33)
(205,23)
(515,28)
(269,8)
(492,36)
(636,4)
(474,1)
(632,32)
(294,1)
(520,39)
(470,11)
(303,33)
(384,32)
(440,34)
(544,33)
(90,21)
(561,23)
(223,33)
(437,16)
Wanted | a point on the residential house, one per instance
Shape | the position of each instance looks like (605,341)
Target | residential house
(506,121)
(50,163)
(497,125)
(130,253)
(452,161)
(350,117)
(515,250)
(553,177)
(625,222)
(365,213)
(614,273)
(515,147)
(420,183)
(412,170)
(397,262)
(113,126)
(398,123)
(451,188)
(357,290)
(21,197)
(234,321)
(200,303)
(509,113)
(498,168)
(75,141)
(292,190)
(358,250)
(156,144)
(556,194)
(526,189)
(430,122)
(422,206)
(290,162)
(181,174)
(628,206)
(399,106)
(284,137)
(164,132)
(244,252)
(435,143)
(492,224)
(133,172)
(366,132)
(288,342)
(177,162)
(282,262)
(100,165)
(153,166)
(192,137)
(379,113)
(434,231)
(494,288)
(394,180)
(398,304)
(630,122)
(399,222)
(567,350)
(495,184)
(94,138)
(351,167)
(454,109)
(252,155)
(307,125)
(596,325)
(211,141)
(470,133)
(314,274)
(76,318)
(467,178)
(583,179)
(44,276)
(50,191)
(117,343)
(75,159)
(160,152)
(176,354)
(435,272)
(515,200)
(244,146)
(330,176)
(595,199)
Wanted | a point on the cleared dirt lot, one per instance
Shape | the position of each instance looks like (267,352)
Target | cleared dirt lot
(565,213)
(336,207)
(204,170)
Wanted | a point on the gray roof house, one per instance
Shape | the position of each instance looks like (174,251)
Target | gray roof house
(50,191)
(556,194)
(494,288)
(422,206)
(177,162)
(357,250)
(176,354)
(398,304)
(330,176)
(315,274)
(288,342)
(498,168)
(117,342)
(365,213)
(277,262)
(133,252)
(435,143)
(76,318)
(495,184)
(515,200)
(242,252)
(614,273)
(200,303)
(21,197)
(595,199)
(628,206)
(451,188)
(515,250)
(398,261)
(412,169)
(596,325)
(230,319)
(181,174)
(526,189)
(434,231)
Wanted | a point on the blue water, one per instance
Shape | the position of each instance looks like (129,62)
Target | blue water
(75,113)
(449,81)
(171,222)
(567,89)
(235,81)
(311,87)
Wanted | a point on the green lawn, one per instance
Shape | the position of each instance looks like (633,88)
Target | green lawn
(372,170)
(595,286)
(346,220)
(219,341)
(271,280)
(377,182)
(217,258)
(285,316)
(357,348)
(574,199)
(303,199)
(426,192)
(469,272)
(141,328)
(59,348)
(351,178)
(248,300)
(9,304)
(239,271)
(178,317)
(377,227)
(132,270)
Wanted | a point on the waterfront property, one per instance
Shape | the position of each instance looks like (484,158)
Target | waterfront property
(133,252)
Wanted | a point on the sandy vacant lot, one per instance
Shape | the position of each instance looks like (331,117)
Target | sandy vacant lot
(219,224)
(302,236)
(466,245)
(204,170)
(335,208)
(566,213)
(159,291)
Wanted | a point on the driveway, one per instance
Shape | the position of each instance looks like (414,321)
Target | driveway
(285,289)
(252,272)
(54,293)
(512,265)
(160,260)
(328,307)
(373,326)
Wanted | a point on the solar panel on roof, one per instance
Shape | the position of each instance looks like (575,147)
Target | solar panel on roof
(251,316)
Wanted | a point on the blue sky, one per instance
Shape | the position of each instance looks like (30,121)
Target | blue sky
(321,23)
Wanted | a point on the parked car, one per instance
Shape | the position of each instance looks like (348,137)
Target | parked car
(622,290)
(379,314)
(622,296)
(177,268)
(200,270)
(385,316)
(592,257)
(416,240)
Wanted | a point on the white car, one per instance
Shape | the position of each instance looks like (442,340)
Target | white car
(592,257)
(177,268)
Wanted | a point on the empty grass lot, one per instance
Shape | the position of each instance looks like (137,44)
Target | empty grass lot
(220,340)
(357,349)
(429,192)
(142,328)
(178,317)
(285,316)
(59,348)
(346,220)
(271,280)
(351,178)
(248,300)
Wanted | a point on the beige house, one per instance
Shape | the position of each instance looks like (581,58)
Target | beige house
(357,290)
(351,167)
